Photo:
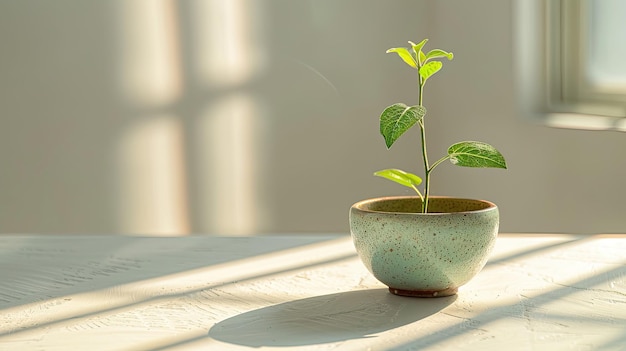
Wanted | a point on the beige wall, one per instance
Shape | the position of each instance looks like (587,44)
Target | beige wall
(247,116)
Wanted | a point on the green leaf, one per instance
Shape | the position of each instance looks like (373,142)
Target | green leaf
(397,119)
(405,55)
(429,69)
(422,58)
(417,49)
(475,154)
(437,53)
(401,177)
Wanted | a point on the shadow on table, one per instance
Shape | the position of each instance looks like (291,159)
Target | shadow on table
(326,319)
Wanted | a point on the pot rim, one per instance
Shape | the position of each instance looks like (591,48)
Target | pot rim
(359,205)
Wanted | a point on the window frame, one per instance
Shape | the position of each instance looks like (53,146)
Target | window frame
(553,87)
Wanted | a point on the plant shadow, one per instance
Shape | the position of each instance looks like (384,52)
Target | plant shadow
(326,319)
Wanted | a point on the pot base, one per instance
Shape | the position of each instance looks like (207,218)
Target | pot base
(423,293)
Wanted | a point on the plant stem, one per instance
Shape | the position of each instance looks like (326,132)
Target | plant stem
(419,193)
(439,162)
(426,170)
(424,153)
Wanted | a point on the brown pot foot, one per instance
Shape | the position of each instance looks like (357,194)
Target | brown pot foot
(424,293)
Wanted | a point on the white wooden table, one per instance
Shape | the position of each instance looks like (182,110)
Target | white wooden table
(538,292)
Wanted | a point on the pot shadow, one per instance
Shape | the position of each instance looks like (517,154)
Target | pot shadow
(326,319)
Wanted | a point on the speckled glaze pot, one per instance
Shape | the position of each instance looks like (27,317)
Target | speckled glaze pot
(424,255)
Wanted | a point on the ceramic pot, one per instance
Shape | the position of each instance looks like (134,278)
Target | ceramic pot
(425,255)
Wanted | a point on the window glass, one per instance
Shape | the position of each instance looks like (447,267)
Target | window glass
(606,65)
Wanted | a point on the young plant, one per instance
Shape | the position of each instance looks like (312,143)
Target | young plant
(398,118)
